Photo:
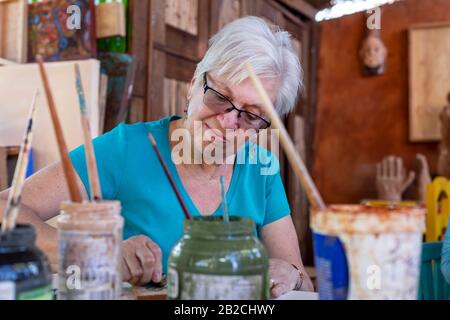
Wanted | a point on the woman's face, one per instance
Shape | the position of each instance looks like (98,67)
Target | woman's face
(224,129)
(374,52)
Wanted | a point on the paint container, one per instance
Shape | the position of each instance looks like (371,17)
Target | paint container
(25,272)
(90,251)
(366,252)
(216,260)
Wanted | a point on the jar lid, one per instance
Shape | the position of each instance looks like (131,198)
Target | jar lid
(23,235)
(216,227)
(85,207)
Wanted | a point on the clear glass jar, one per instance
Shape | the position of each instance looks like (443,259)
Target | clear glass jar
(90,251)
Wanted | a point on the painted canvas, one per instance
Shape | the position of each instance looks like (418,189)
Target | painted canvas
(61,30)
(429,79)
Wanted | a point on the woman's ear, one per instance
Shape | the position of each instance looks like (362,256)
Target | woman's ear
(191,88)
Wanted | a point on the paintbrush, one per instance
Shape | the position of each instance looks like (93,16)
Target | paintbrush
(12,205)
(226,217)
(94,184)
(294,159)
(69,172)
(169,176)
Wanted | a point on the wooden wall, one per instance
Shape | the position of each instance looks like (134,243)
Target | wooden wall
(360,120)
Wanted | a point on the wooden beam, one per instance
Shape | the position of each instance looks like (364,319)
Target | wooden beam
(301,6)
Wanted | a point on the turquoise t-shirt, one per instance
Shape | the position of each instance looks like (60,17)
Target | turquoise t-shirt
(130,172)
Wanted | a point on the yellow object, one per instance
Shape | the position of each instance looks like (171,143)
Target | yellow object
(384,203)
(438,209)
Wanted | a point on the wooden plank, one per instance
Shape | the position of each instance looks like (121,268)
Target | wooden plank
(183,15)
(181,44)
(203,27)
(13,30)
(136,110)
(17,84)
(181,69)
(139,38)
(102,95)
(223,12)
(428,79)
(154,103)
(301,7)
(3,168)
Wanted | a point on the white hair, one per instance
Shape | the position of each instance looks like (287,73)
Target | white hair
(266,47)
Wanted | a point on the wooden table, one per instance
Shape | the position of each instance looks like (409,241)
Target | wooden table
(130,292)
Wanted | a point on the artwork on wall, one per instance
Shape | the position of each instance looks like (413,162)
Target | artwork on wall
(13,30)
(373,54)
(429,79)
(52,37)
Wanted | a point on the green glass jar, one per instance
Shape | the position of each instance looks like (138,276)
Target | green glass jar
(216,260)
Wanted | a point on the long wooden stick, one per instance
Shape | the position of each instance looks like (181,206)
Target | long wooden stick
(294,158)
(69,172)
(94,183)
(12,206)
(169,176)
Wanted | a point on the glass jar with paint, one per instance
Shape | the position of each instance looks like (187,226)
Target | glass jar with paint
(368,252)
(217,260)
(25,272)
(90,251)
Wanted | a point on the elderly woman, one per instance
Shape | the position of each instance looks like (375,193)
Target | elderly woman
(223,106)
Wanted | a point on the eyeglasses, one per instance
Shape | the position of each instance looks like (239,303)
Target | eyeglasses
(219,103)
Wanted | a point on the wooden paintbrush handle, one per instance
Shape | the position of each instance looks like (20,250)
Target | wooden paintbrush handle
(296,162)
(94,182)
(69,171)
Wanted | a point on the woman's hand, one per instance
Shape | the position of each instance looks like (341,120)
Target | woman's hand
(285,278)
(141,262)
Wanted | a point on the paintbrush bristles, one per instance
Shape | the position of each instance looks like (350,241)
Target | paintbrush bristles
(152,140)
(94,182)
(80,91)
(12,205)
(294,159)
(69,172)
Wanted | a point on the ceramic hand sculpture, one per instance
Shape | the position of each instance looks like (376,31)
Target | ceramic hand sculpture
(392,179)
(423,177)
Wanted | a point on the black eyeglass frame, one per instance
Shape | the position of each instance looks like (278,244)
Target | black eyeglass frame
(206,87)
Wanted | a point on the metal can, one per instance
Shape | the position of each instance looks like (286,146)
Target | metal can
(368,252)
(90,251)
(217,260)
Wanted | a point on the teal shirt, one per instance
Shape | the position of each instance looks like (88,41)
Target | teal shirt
(130,172)
(445,261)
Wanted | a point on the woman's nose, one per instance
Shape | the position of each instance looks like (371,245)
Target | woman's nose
(230,120)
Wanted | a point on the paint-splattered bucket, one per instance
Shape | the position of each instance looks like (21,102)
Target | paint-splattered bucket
(367,252)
